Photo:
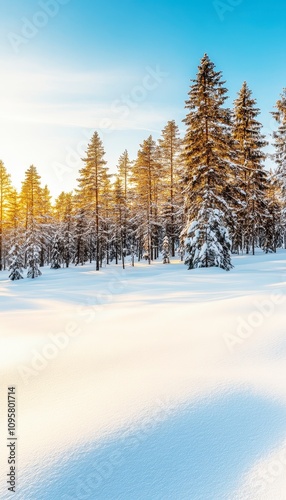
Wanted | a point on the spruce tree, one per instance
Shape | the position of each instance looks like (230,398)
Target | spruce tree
(208,243)
(16,262)
(251,177)
(280,141)
(208,155)
(166,250)
(280,153)
(56,251)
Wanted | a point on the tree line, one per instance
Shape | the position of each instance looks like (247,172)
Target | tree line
(206,195)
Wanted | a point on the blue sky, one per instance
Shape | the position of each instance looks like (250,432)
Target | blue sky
(90,65)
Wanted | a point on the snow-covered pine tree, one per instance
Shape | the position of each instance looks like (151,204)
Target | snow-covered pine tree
(56,251)
(106,218)
(170,154)
(33,253)
(119,215)
(5,192)
(80,233)
(16,262)
(208,155)
(146,248)
(64,219)
(31,203)
(208,243)
(280,140)
(146,178)
(90,187)
(46,225)
(273,234)
(280,153)
(251,178)
(124,169)
(166,250)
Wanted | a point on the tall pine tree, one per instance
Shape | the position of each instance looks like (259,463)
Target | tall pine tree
(170,153)
(31,202)
(5,192)
(251,177)
(91,180)
(208,154)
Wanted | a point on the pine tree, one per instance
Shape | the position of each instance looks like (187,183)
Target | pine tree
(280,152)
(65,224)
(33,252)
(208,243)
(251,177)
(56,251)
(16,262)
(166,250)
(280,141)
(208,154)
(146,176)
(90,185)
(31,202)
(106,218)
(119,211)
(80,234)
(5,192)
(170,152)
(273,235)
(46,225)
(124,173)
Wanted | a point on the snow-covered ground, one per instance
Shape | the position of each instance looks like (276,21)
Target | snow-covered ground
(151,383)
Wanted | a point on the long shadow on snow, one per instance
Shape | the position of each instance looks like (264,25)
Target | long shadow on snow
(199,454)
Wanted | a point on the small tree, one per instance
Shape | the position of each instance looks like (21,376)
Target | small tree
(146,248)
(56,253)
(208,243)
(16,262)
(33,253)
(166,250)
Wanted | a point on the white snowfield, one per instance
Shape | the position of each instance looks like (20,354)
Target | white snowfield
(151,383)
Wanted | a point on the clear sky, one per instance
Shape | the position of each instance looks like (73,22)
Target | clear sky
(69,67)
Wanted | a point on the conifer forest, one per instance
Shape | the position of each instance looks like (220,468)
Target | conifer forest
(203,195)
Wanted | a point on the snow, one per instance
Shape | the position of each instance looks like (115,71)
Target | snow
(151,383)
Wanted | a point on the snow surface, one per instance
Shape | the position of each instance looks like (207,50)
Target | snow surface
(169,383)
